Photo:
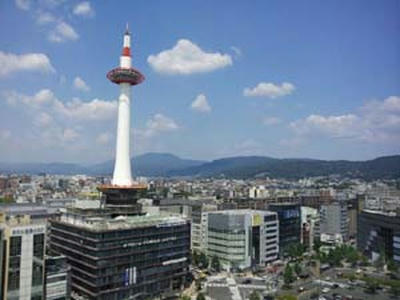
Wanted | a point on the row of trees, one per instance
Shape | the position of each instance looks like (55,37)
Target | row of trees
(202,261)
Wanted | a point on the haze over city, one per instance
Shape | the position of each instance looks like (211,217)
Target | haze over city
(274,78)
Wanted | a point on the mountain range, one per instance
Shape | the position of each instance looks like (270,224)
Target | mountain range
(168,165)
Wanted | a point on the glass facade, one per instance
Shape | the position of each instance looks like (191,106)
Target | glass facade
(136,262)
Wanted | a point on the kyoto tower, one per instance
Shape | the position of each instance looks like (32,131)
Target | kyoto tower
(123,193)
(125,76)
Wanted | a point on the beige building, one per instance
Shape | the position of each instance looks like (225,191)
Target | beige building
(23,261)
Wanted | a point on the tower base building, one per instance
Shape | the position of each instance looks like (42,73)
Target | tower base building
(127,257)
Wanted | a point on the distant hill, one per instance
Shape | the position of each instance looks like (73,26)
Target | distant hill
(149,164)
(164,164)
(253,166)
(36,168)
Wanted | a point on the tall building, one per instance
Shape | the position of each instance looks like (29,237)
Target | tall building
(241,239)
(334,220)
(57,278)
(379,233)
(200,226)
(123,193)
(116,251)
(23,258)
(309,226)
(289,224)
(125,257)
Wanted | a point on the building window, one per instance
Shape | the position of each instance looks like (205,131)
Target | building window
(13,281)
(15,246)
(38,245)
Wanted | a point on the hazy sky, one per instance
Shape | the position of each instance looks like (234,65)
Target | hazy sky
(317,79)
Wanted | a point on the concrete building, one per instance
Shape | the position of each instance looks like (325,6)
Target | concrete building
(334,220)
(241,239)
(309,226)
(289,224)
(57,278)
(258,192)
(379,233)
(200,226)
(23,258)
(123,257)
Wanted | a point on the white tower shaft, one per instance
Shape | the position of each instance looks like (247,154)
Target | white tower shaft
(122,170)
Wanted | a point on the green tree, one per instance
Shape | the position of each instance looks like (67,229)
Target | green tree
(203,261)
(317,245)
(395,291)
(200,296)
(391,265)
(195,258)
(288,276)
(215,264)
(371,287)
(185,297)
(297,269)
(254,296)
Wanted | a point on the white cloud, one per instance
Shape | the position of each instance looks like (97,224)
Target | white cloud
(76,109)
(44,17)
(269,121)
(237,51)
(269,90)
(200,104)
(43,120)
(23,4)
(70,135)
(94,110)
(11,63)
(103,138)
(63,32)
(157,124)
(83,9)
(374,122)
(187,58)
(80,84)
(334,126)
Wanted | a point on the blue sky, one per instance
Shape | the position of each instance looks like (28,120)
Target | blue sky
(316,79)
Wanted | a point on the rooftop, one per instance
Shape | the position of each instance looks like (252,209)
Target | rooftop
(99,223)
(243,212)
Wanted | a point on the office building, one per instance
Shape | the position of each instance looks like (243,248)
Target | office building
(23,258)
(123,257)
(241,239)
(289,224)
(200,226)
(379,233)
(334,220)
(57,278)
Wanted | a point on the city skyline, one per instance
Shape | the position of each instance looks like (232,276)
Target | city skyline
(273,79)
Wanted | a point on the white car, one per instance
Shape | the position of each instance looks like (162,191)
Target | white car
(326,290)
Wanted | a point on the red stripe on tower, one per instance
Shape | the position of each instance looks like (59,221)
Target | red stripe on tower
(126,51)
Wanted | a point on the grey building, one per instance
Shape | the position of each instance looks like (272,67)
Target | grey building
(243,238)
(379,233)
(57,278)
(123,257)
(334,220)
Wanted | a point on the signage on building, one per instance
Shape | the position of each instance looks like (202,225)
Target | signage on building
(257,220)
(27,230)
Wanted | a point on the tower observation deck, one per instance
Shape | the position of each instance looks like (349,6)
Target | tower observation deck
(123,192)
